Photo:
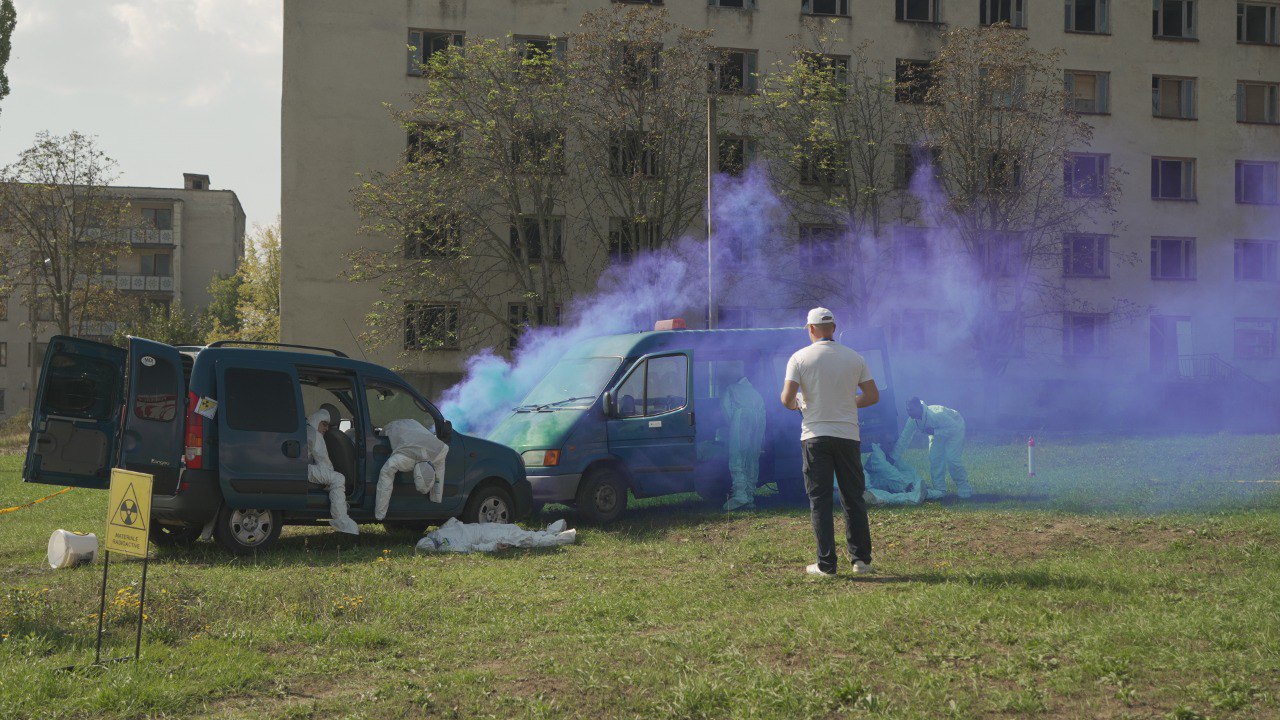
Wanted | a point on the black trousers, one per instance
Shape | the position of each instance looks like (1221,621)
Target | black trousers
(825,457)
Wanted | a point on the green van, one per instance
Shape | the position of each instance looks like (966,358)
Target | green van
(640,413)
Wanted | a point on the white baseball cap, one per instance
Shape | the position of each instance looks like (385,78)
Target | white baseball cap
(820,316)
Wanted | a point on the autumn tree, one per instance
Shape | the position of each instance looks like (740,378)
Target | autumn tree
(992,119)
(8,21)
(246,304)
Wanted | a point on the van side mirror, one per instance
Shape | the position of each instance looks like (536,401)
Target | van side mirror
(610,404)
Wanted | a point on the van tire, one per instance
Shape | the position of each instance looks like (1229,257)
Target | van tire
(245,530)
(602,496)
(174,535)
(489,503)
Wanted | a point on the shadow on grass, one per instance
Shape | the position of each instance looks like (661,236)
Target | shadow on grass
(1026,579)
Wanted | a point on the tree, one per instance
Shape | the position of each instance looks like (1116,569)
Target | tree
(828,129)
(478,210)
(996,127)
(246,304)
(175,326)
(8,21)
(63,221)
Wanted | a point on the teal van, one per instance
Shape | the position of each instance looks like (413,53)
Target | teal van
(640,413)
(222,429)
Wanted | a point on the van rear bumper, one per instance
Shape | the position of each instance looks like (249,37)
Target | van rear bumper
(196,504)
(555,488)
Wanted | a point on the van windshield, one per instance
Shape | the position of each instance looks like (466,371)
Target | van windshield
(572,383)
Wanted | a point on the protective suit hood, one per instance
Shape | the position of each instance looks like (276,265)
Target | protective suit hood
(317,417)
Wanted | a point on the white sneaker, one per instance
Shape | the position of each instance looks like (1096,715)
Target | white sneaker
(815,570)
(862,568)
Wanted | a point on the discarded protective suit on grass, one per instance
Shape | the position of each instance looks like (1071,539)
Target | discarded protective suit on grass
(413,449)
(455,536)
(889,484)
(744,410)
(320,471)
(945,428)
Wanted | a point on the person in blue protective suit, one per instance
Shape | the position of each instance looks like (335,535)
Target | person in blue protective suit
(743,410)
(889,484)
(945,429)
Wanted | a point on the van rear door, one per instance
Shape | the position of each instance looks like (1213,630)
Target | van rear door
(75,426)
(154,413)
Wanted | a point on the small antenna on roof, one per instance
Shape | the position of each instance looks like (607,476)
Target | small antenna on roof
(354,339)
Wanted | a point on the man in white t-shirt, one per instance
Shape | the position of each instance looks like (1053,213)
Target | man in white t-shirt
(822,383)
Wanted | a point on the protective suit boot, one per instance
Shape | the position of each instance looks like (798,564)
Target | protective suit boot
(341,521)
(932,494)
(739,504)
(964,491)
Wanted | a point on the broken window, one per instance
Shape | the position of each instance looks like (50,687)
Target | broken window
(917,11)
(629,238)
(829,74)
(1173,258)
(636,64)
(430,326)
(738,4)
(1087,16)
(518,320)
(1088,92)
(530,242)
(824,7)
(1256,23)
(733,71)
(1255,338)
(1256,102)
(1173,18)
(913,79)
(1006,11)
(1085,255)
(632,154)
(908,159)
(1085,334)
(734,154)
(538,151)
(541,58)
(1256,260)
(1004,173)
(1173,179)
(1086,175)
(819,245)
(1256,182)
(824,163)
(1173,97)
(426,44)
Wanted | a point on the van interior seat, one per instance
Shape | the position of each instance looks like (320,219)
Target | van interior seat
(342,453)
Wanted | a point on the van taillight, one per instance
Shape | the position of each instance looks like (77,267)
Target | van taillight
(194,455)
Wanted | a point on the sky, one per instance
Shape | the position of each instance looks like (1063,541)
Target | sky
(166,87)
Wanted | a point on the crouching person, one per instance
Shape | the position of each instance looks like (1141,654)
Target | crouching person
(321,472)
(416,449)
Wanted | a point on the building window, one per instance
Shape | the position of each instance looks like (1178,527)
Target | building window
(1087,16)
(518,318)
(1255,338)
(1173,97)
(1085,334)
(433,144)
(1173,179)
(157,264)
(1004,173)
(825,7)
(908,159)
(538,151)
(824,164)
(541,58)
(733,71)
(4,354)
(912,81)
(1173,19)
(1256,260)
(1256,102)
(819,244)
(1088,92)
(735,4)
(917,11)
(912,253)
(916,330)
(1003,254)
(1006,11)
(829,71)
(1,400)
(1256,182)
(633,154)
(636,64)
(640,2)
(424,44)
(533,249)
(44,310)
(1256,23)
(1086,175)
(436,236)
(734,154)
(1086,255)
(160,219)
(430,326)
(1173,258)
(629,238)
(4,307)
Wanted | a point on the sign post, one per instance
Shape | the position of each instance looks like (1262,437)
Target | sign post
(128,525)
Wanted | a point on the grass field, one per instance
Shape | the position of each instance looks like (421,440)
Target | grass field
(1134,578)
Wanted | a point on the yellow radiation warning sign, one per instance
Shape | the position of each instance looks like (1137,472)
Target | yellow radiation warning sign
(129,513)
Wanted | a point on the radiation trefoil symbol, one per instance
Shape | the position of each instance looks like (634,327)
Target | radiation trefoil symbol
(128,514)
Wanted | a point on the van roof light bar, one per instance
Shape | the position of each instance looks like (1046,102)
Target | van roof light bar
(257,343)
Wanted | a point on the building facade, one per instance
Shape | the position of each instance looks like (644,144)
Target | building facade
(1182,96)
(179,239)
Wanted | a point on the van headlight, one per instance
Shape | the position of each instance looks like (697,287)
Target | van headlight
(540,458)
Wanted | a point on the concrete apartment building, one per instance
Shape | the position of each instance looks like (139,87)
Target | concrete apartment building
(1183,100)
(179,239)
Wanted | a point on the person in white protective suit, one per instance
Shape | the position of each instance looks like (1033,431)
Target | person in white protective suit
(889,484)
(414,448)
(321,472)
(744,410)
(945,428)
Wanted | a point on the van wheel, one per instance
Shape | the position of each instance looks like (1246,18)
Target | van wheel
(490,504)
(174,535)
(602,496)
(244,530)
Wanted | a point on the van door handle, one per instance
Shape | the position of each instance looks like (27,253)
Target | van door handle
(291,448)
(691,422)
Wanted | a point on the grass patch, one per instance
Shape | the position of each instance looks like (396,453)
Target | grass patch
(1133,578)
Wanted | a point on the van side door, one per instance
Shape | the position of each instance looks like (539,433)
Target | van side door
(388,401)
(652,425)
(155,413)
(262,435)
(76,423)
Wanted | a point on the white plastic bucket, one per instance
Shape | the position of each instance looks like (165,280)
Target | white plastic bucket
(68,549)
